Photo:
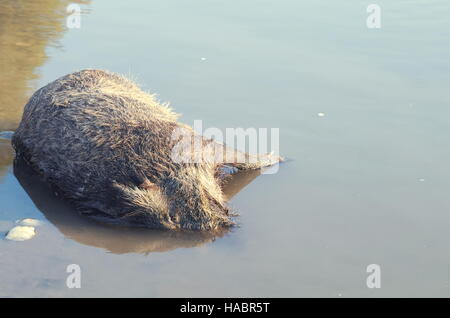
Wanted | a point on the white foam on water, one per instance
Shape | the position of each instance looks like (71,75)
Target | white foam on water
(21,233)
(29,222)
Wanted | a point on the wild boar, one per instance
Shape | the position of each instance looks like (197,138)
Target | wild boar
(107,146)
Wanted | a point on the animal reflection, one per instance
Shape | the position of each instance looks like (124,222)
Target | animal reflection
(115,239)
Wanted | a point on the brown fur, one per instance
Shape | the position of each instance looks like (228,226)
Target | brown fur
(106,146)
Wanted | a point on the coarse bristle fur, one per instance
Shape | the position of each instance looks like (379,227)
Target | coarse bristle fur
(106,145)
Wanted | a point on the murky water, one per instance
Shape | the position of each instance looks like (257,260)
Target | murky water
(367,184)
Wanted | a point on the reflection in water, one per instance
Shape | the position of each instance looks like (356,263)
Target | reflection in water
(238,181)
(115,239)
(26,29)
(6,156)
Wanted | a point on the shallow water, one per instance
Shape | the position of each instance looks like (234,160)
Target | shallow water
(367,184)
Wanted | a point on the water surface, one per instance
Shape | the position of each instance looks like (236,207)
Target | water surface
(367,184)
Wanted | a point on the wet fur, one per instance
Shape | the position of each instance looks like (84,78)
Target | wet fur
(106,145)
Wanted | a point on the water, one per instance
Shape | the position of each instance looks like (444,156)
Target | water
(367,184)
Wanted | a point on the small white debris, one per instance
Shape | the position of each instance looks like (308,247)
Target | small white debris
(203,58)
(21,233)
(321,114)
(422,180)
(29,222)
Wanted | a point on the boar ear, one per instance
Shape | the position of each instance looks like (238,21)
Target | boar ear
(147,185)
